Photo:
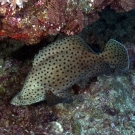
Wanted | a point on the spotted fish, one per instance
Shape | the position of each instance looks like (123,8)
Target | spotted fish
(64,63)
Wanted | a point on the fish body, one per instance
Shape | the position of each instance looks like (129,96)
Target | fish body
(63,64)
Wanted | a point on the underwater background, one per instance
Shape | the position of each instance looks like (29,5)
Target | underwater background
(106,106)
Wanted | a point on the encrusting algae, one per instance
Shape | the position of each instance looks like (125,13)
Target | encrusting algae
(64,63)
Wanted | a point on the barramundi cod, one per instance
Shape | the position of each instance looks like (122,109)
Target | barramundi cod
(64,63)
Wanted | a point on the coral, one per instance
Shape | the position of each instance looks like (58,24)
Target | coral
(55,128)
(13,3)
(102,111)
(123,5)
(41,18)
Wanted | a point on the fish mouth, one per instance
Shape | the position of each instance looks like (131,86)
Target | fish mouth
(16,100)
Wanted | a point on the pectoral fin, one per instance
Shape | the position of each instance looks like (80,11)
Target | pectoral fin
(53,99)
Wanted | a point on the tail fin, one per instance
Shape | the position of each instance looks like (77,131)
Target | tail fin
(116,55)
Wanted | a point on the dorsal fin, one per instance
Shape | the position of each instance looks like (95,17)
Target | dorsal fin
(61,46)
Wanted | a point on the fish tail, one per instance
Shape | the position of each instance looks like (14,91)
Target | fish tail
(116,55)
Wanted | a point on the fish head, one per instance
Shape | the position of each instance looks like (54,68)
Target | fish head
(32,92)
(26,98)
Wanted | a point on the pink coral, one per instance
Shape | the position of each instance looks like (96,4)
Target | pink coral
(123,5)
(49,17)
(13,3)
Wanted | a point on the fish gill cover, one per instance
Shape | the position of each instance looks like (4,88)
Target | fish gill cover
(64,63)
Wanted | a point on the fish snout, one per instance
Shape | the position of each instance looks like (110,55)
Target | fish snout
(16,100)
